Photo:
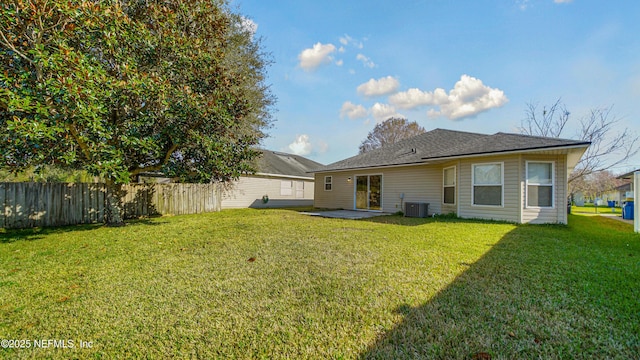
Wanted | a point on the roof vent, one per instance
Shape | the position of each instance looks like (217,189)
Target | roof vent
(410,152)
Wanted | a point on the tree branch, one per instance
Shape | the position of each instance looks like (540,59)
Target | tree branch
(159,166)
(6,43)
(86,151)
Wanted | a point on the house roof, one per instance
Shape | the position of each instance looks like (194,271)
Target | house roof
(624,187)
(628,175)
(441,144)
(283,164)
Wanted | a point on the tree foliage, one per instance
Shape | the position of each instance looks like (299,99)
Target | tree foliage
(389,132)
(118,88)
(47,173)
(610,145)
(596,184)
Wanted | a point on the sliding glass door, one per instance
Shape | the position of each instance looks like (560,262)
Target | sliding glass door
(369,192)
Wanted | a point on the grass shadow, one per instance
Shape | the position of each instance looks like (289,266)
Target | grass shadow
(37,233)
(412,221)
(543,291)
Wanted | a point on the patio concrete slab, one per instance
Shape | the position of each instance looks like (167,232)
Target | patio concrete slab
(346,214)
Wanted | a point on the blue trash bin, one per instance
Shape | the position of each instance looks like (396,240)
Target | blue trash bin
(627,211)
(611,203)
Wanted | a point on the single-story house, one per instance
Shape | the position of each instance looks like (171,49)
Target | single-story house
(281,180)
(634,196)
(627,191)
(511,177)
(619,194)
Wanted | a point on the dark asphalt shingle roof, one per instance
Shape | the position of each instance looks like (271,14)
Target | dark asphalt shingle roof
(440,143)
(278,163)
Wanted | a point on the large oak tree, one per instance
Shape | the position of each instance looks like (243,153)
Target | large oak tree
(389,132)
(119,88)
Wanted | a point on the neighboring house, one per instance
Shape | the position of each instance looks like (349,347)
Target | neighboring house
(627,194)
(578,198)
(619,194)
(509,177)
(281,180)
(156,177)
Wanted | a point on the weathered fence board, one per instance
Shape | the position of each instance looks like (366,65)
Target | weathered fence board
(2,205)
(24,205)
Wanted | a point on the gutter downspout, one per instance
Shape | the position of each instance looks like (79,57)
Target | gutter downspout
(636,201)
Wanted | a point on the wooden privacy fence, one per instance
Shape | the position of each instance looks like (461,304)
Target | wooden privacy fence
(24,205)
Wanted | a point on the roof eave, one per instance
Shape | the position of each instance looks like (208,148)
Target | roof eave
(283,176)
(413,163)
(427,160)
(507,152)
(628,176)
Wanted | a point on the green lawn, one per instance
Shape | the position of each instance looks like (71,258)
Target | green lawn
(390,287)
(590,209)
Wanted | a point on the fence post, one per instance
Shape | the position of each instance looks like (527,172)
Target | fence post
(2,206)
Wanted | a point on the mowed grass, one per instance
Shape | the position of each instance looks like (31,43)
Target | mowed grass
(590,209)
(252,284)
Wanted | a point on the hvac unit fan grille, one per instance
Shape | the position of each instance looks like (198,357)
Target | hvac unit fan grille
(415,209)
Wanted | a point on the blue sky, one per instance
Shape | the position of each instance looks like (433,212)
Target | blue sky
(342,66)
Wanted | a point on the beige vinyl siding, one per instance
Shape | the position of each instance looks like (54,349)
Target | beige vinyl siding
(418,184)
(424,183)
(510,209)
(341,194)
(557,214)
(249,190)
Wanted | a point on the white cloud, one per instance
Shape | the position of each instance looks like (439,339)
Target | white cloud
(562,1)
(468,97)
(346,39)
(352,111)
(249,25)
(522,4)
(382,86)
(340,62)
(382,112)
(313,57)
(413,98)
(365,61)
(301,145)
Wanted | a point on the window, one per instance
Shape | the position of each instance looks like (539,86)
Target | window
(286,188)
(487,184)
(327,183)
(449,185)
(299,189)
(539,184)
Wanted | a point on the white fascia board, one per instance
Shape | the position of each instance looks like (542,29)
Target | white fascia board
(284,176)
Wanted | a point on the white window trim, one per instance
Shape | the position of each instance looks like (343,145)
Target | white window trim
(455,185)
(286,187)
(330,177)
(527,183)
(473,185)
(299,189)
